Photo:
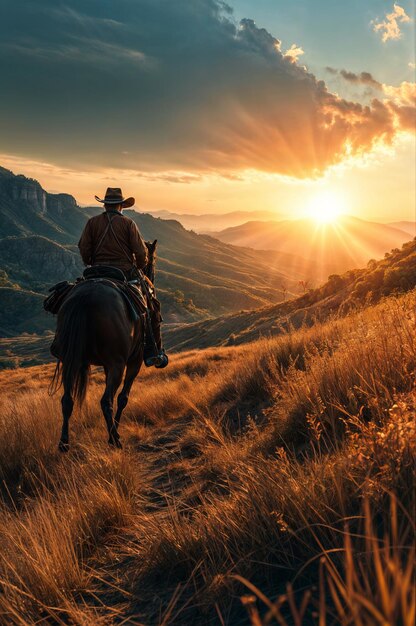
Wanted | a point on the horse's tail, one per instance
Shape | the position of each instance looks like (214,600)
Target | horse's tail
(73,368)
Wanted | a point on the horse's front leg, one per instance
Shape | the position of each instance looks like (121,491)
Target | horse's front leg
(114,376)
(67,406)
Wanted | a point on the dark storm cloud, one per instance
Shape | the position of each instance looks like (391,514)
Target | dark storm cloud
(163,84)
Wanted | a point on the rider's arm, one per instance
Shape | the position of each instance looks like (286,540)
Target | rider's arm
(138,246)
(85,244)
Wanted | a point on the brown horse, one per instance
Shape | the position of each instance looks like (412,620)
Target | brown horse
(95,327)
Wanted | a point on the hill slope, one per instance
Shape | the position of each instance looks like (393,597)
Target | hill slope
(283,469)
(407,227)
(35,261)
(395,273)
(350,242)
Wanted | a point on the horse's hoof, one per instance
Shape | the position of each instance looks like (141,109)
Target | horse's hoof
(115,442)
(63,447)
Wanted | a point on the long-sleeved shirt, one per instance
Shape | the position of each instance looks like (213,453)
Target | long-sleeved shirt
(124,251)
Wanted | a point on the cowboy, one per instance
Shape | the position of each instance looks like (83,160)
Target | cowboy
(113,239)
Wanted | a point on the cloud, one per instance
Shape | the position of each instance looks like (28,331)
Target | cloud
(402,101)
(293,53)
(160,86)
(389,28)
(364,78)
(404,94)
(81,50)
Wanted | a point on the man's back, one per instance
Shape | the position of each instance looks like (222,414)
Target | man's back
(112,239)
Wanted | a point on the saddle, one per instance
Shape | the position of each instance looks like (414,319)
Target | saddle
(104,271)
(133,296)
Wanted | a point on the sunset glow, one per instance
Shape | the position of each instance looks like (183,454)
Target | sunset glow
(326,207)
(327,116)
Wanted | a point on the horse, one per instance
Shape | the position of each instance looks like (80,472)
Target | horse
(95,327)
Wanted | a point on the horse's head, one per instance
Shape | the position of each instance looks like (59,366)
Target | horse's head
(149,269)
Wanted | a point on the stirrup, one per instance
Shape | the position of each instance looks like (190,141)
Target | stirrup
(159,360)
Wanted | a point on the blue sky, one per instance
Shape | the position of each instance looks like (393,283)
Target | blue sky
(337,33)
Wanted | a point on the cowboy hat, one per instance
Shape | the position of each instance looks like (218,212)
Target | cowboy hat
(113,195)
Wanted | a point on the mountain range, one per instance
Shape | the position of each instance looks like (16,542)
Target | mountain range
(407,227)
(197,276)
(395,273)
(208,222)
(347,243)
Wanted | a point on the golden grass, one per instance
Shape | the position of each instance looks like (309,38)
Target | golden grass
(371,583)
(279,472)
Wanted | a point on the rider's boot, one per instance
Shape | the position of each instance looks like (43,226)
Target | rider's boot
(154,353)
(158,360)
(162,359)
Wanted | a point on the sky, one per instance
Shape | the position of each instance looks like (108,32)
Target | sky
(202,106)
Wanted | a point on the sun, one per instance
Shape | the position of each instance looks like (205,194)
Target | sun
(326,207)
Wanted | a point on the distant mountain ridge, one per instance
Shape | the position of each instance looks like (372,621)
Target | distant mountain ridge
(349,242)
(406,226)
(209,222)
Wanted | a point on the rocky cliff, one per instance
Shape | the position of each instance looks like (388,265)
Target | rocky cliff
(27,209)
(35,261)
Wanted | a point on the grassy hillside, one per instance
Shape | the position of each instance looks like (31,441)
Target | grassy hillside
(395,273)
(324,244)
(26,349)
(22,311)
(268,483)
(196,277)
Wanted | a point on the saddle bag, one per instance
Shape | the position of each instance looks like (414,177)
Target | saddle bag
(59,292)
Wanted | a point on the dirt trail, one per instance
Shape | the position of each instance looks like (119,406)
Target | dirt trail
(167,484)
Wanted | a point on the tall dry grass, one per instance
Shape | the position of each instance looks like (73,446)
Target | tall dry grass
(279,472)
(371,582)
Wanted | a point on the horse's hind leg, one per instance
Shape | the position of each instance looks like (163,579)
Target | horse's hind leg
(123,397)
(114,376)
(67,406)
